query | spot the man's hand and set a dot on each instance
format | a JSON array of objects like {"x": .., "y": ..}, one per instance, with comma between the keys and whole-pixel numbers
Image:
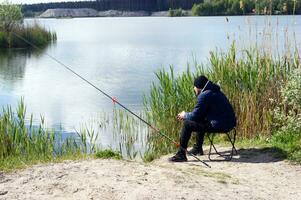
[{"x": 180, "y": 116}]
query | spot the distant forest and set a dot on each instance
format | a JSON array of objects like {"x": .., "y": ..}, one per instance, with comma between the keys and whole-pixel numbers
[
  {"x": 242, "y": 7},
  {"x": 126, "y": 5},
  {"x": 199, "y": 7}
]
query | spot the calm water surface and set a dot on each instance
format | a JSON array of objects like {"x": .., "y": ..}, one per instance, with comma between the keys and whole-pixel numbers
[{"x": 119, "y": 55}]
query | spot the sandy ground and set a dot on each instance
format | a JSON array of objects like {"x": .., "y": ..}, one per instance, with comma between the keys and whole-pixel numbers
[{"x": 254, "y": 174}]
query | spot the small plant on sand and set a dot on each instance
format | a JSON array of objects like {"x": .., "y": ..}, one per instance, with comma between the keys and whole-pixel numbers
[{"x": 105, "y": 154}]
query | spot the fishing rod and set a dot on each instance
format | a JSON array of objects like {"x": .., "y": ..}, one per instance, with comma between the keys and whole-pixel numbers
[{"x": 114, "y": 100}]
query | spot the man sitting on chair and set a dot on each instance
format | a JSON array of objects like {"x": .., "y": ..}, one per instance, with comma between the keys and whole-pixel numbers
[{"x": 212, "y": 113}]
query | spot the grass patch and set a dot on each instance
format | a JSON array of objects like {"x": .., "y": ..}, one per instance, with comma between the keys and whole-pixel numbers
[
  {"x": 149, "y": 156},
  {"x": 289, "y": 143},
  {"x": 20, "y": 162},
  {"x": 106, "y": 154},
  {"x": 258, "y": 141}
]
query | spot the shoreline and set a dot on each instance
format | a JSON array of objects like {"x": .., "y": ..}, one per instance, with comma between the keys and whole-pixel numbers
[
  {"x": 91, "y": 13},
  {"x": 254, "y": 174}
]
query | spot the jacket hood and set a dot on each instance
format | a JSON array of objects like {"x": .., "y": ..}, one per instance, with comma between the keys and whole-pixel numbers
[{"x": 211, "y": 86}]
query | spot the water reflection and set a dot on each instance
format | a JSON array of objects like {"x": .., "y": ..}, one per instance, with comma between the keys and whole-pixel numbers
[{"x": 13, "y": 64}]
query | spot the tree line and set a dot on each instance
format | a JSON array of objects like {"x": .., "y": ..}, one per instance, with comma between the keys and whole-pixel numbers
[
  {"x": 126, "y": 5},
  {"x": 241, "y": 7},
  {"x": 199, "y": 7}
]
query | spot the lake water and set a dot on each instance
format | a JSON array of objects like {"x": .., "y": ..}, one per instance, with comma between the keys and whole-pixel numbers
[{"x": 120, "y": 55}]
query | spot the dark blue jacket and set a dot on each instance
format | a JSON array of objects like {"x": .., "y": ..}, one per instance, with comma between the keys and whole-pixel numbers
[{"x": 214, "y": 107}]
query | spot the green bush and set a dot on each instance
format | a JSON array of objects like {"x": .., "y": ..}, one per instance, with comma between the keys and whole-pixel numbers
[
  {"x": 10, "y": 16},
  {"x": 12, "y": 29},
  {"x": 196, "y": 10},
  {"x": 176, "y": 12},
  {"x": 287, "y": 116}
]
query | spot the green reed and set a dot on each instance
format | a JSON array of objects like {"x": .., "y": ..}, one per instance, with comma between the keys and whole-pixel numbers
[
  {"x": 35, "y": 34},
  {"x": 251, "y": 80},
  {"x": 24, "y": 143},
  {"x": 130, "y": 133}
]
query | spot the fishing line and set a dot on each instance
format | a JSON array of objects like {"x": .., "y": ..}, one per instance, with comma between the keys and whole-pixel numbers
[{"x": 114, "y": 100}]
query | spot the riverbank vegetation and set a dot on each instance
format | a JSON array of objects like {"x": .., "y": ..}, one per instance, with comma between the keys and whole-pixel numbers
[
  {"x": 264, "y": 91},
  {"x": 177, "y": 12},
  {"x": 24, "y": 143},
  {"x": 15, "y": 34},
  {"x": 21, "y": 142},
  {"x": 246, "y": 7}
]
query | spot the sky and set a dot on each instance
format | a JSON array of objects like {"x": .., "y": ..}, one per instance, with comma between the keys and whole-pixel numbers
[{"x": 36, "y": 1}]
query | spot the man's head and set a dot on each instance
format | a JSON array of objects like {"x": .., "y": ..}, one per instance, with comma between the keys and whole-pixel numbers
[{"x": 199, "y": 84}]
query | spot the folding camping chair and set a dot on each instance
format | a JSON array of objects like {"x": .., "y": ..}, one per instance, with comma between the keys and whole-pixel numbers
[{"x": 231, "y": 137}]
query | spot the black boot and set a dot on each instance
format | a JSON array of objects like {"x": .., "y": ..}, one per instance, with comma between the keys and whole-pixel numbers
[
  {"x": 196, "y": 150},
  {"x": 179, "y": 157}
]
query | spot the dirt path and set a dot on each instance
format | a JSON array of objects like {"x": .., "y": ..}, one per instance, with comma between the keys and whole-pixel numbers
[{"x": 252, "y": 175}]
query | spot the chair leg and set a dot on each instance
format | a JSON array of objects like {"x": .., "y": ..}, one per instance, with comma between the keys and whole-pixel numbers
[
  {"x": 233, "y": 149},
  {"x": 232, "y": 141},
  {"x": 211, "y": 144}
]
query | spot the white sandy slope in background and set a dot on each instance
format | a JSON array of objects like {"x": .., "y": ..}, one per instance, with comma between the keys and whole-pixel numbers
[
  {"x": 88, "y": 12},
  {"x": 252, "y": 175}
]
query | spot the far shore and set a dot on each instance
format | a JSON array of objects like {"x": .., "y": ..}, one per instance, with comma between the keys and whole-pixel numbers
[{"x": 88, "y": 13}]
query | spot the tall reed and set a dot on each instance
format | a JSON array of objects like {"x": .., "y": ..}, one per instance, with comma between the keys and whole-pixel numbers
[
  {"x": 251, "y": 80},
  {"x": 22, "y": 141},
  {"x": 35, "y": 34},
  {"x": 129, "y": 133}
]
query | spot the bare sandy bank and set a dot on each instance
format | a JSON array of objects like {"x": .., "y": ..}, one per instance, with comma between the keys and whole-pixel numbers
[
  {"x": 88, "y": 12},
  {"x": 254, "y": 174}
]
